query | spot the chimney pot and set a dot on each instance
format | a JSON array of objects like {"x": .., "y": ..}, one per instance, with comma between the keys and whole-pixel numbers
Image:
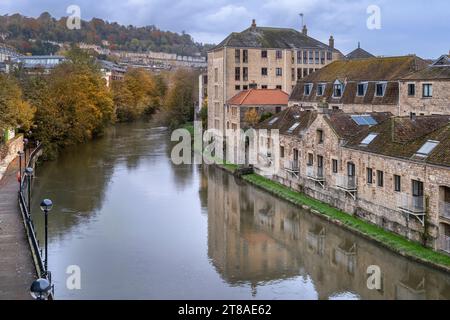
[
  {"x": 305, "y": 30},
  {"x": 331, "y": 42},
  {"x": 254, "y": 23}
]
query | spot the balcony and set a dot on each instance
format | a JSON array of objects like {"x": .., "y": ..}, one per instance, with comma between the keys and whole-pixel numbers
[
  {"x": 292, "y": 167},
  {"x": 347, "y": 184},
  {"x": 315, "y": 174},
  {"x": 413, "y": 206},
  {"x": 444, "y": 209},
  {"x": 444, "y": 243}
]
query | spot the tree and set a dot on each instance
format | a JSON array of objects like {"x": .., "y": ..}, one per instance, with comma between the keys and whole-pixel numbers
[
  {"x": 14, "y": 110},
  {"x": 251, "y": 117},
  {"x": 179, "y": 103}
]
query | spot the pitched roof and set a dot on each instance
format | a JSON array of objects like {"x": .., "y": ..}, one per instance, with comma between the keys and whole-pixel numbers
[
  {"x": 260, "y": 97},
  {"x": 359, "y": 54},
  {"x": 439, "y": 70},
  {"x": 402, "y": 137},
  {"x": 372, "y": 69},
  {"x": 272, "y": 38},
  {"x": 284, "y": 120}
]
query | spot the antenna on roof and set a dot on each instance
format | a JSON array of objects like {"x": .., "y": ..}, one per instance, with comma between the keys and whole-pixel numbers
[
  {"x": 302, "y": 17},
  {"x": 359, "y": 45}
]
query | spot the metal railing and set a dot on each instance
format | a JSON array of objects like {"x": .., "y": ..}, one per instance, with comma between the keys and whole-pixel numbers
[
  {"x": 315, "y": 173},
  {"x": 25, "y": 205},
  {"x": 346, "y": 182},
  {"x": 411, "y": 204},
  {"x": 445, "y": 243},
  {"x": 292, "y": 166},
  {"x": 444, "y": 209}
]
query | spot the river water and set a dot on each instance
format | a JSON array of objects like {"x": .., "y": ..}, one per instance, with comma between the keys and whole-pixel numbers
[{"x": 139, "y": 227}]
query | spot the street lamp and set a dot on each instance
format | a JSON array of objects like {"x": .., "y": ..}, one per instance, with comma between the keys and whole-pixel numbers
[
  {"x": 20, "y": 153},
  {"x": 29, "y": 173},
  {"x": 25, "y": 142},
  {"x": 40, "y": 289},
  {"x": 46, "y": 207}
]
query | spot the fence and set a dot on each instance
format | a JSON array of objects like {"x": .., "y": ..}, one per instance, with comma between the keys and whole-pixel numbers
[{"x": 25, "y": 208}]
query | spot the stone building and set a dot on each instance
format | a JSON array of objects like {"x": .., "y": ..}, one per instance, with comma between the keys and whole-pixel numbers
[
  {"x": 262, "y": 58},
  {"x": 391, "y": 171},
  {"x": 356, "y": 85},
  {"x": 265, "y": 102},
  {"x": 427, "y": 91}
]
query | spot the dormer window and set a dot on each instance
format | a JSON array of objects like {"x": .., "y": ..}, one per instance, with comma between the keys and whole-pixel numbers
[
  {"x": 338, "y": 89},
  {"x": 321, "y": 89},
  {"x": 380, "y": 89},
  {"x": 362, "y": 89},
  {"x": 308, "y": 89}
]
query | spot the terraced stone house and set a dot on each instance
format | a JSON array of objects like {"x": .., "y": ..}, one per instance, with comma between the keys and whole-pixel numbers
[{"x": 392, "y": 171}]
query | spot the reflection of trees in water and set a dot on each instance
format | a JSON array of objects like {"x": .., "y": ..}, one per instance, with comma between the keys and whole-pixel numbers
[
  {"x": 255, "y": 238},
  {"x": 78, "y": 179}
]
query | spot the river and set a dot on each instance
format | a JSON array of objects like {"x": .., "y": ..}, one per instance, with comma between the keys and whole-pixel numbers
[{"x": 139, "y": 227}]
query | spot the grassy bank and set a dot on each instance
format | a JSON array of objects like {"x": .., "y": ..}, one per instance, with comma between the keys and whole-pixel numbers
[{"x": 387, "y": 239}]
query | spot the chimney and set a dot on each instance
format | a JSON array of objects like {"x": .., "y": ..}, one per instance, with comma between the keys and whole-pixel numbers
[
  {"x": 305, "y": 30},
  {"x": 253, "y": 24},
  {"x": 331, "y": 42}
]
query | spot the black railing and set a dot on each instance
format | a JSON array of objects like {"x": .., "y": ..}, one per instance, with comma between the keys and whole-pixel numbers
[{"x": 25, "y": 187}]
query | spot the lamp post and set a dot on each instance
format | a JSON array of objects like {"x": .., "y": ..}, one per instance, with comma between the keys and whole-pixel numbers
[
  {"x": 40, "y": 289},
  {"x": 20, "y": 153},
  {"x": 25, "y": 142},
  {"x": 29, "y": 173},
  {"x": 46, "y": 207}
]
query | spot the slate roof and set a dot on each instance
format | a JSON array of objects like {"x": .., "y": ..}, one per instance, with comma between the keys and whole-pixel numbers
[
  {"x": 260, "y": 97},
  {"x": 359, "y": 53},
  {"x": 439, "y": 70},
  {"x": 287, "y": 118},
  {"x": 271, "y": 38},
  {"x": 402, "y": 137},
  {"x": 352, "y": 72}
]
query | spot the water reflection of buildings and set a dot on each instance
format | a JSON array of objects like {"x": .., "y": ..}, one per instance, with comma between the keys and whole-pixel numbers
[{"x": 254, "y": 238}]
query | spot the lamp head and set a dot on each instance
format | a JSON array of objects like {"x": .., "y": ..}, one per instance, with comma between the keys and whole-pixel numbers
[
  {"x": 46, "y": 205},
  {"x": 40, "y": 289}
]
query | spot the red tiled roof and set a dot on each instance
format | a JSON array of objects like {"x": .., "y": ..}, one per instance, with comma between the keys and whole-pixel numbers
[{"x": 260, "y": 97}]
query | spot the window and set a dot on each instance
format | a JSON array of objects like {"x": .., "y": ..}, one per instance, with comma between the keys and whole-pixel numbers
[
  {"x": 322, "y": 57},
  {"x": 427, "y": 148},
  {"x": 293, "y": 74},
  {"x": 293, "y": 127},
  {"x": 216, "y": 92},
  {"x": 320, "y": 136},
  {"x": 237, "y": 87},
  {"x": 362, "y": 89},
  {"x": 329, "y": 55},
  {"x": 264, "y": 54},
  {"x": 277, "y": 109},
  {"x": 253, "y": 86},
  {"x": 245, "y": 73},
  {"x": 305, "y": 57},
  {"x": 427, "y": 90},
  {"x": 397, "y": 183},
  {"x": 282, "y": 152},
  {"x": 337, "y": 90},
  {"x": 320, "y": 89},
  {"x": 380, "y": 178},
  {"x": 317, "y": 56},
  {"x": 244, "y": 87},
  {"x": 264, "y": 86},
  {"x": 279, "y": 72},
  {"x": 311, "y": 57},
  {"x": 305, "y": 73},
  {"x": 307, "y": 89},
  {"x": 335, "y": 166},
  {"x": 310, "y": 159},
  {"x": 299, "y": 73},
  {"x": 245, "y": 56},
  {"x": 279, "y": 54},
  {"x": 369, "y": 175},
  {"x": 279, "y": 87},
  {"x": 264, "y": 71},
  {"x": 273, "y": 121},
  {"x": 216, "y": 75},
  {"x": 411, "y": 89},
  {"x": 368, "y": 140},
  {"x": 364, "y": 120},
  {"x": 299, "y": 57},
  {"x": 237, "y": 56},
  {"x": 380, "y": 89},
  {"x": 237, "y": 74}
]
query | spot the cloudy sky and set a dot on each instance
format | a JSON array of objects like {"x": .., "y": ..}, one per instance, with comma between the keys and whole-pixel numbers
[{"x": 407, "y": 26}]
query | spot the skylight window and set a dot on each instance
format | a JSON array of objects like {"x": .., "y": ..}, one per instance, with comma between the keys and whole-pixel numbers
[
  {"x": 427, "y": 148},
  {"x": 364, "y": 120},
  {"x": 273, "y": 121},
  {"x": 368, "y": 140},
  {"x": 295, "y": 126}
]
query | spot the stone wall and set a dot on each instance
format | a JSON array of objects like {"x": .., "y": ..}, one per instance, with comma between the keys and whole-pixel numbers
[
  {"x": 438, "y": 104},
  {"x": 8, "y": 152}
]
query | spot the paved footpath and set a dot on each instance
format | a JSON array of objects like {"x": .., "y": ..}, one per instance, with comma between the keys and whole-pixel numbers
[{"x": 17, "y": 270}]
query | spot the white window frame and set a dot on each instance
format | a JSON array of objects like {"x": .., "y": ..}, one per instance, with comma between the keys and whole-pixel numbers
[
  {"x": 384, "y": 84},
  {"x": 310, "y": 87},
  {"x": 323, "y": 86},
  {"x": 366, "y": 85},
  {"x": 430, "y": 92},
  {"x": 335, "y": 84}
]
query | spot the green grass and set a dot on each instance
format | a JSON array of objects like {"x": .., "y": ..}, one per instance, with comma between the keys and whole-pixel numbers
[{"x": 393, "y": 241}]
